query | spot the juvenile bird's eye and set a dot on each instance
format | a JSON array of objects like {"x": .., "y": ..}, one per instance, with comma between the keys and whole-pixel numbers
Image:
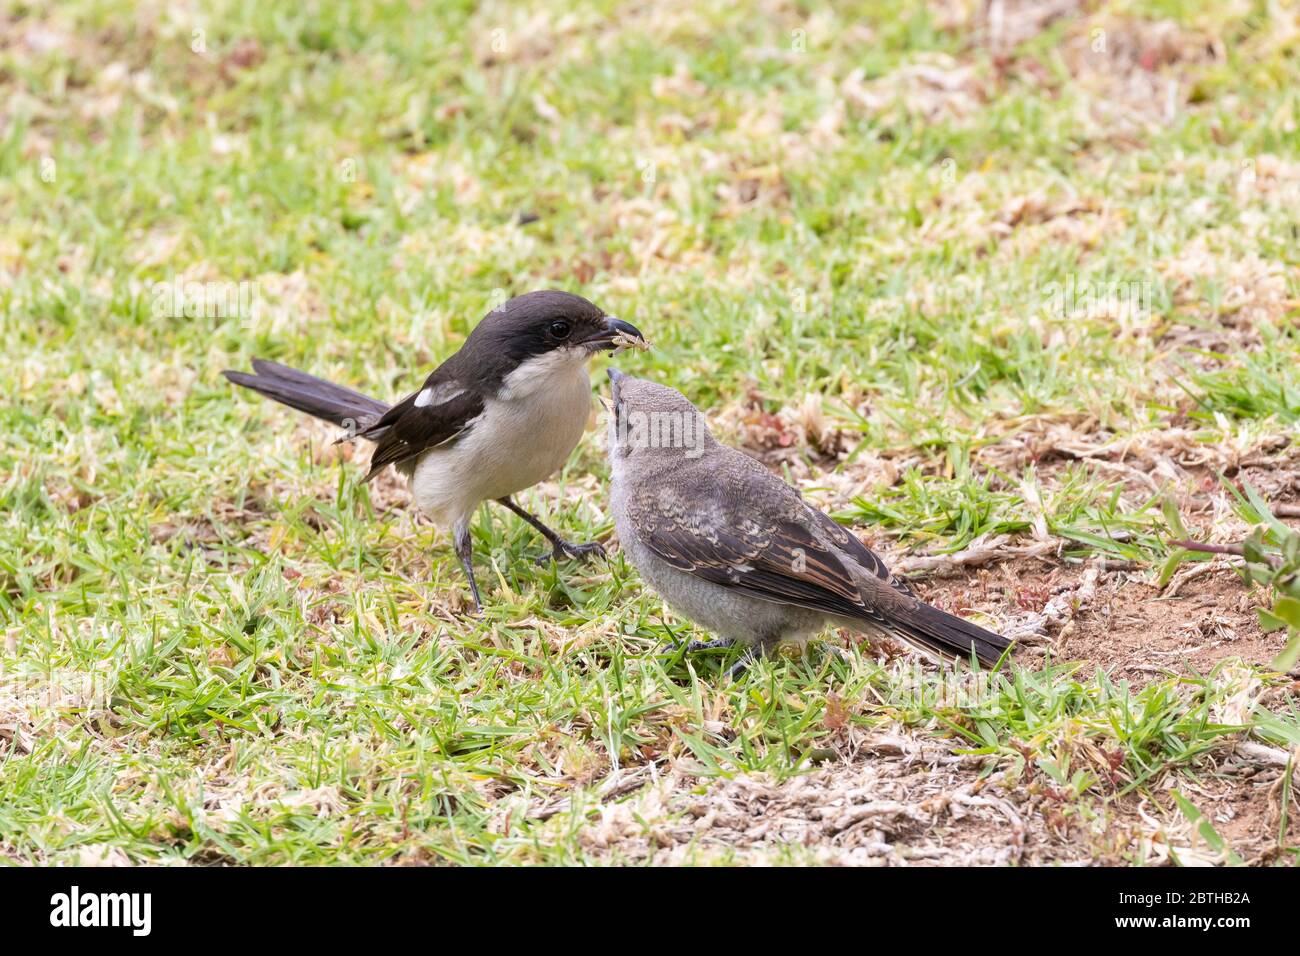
[{"x": 559, "y": 329}]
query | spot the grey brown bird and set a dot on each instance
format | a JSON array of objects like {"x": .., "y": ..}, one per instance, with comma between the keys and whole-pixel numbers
[
  {"x": 734, "y": 548},
  {"x": 498, "y": 416}
]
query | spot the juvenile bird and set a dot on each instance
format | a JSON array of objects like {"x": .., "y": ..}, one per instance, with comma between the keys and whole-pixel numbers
[
  {"x": 498, "y": 416},
  {"x": 736, "y": 549}
]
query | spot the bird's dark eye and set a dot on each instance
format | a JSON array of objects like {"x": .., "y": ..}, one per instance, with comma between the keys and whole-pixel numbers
[{"x": 559, "y": 329}]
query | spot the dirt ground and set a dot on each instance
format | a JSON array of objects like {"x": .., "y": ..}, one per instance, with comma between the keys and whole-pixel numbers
[
  {"x": 901, "y": 798},
  {"x": 896, "y": 800},
  {"x": 1128, "y": 627}
]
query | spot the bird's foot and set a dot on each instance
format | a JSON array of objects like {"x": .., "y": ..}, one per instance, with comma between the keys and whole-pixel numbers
[
  {"x": 735, "y": 670},
  {"x": 471, "y": 610},
  {"x": 562, "y": 550},
  {"x": 742, "y": 665},
  {"x": 690, "y": 647},
  {"x": 694, "y": 646}
]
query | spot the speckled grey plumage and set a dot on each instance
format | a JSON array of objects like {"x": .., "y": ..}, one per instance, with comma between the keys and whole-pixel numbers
[{"x": 734, "y": 548}]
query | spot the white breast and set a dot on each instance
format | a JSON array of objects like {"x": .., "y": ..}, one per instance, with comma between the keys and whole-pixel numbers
[{"x": 523, "y": 436}]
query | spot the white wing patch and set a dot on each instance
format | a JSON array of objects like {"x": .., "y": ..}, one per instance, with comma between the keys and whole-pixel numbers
[{"x": 438, "y": 394}]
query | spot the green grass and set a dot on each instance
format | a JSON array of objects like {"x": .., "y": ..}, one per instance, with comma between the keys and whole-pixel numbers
[{"x": 279, "y": 672}]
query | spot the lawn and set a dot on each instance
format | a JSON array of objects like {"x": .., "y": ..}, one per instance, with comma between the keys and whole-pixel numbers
[{"x": 1009, "y": 288}]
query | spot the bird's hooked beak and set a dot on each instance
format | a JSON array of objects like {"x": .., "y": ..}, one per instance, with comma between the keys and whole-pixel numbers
[{"x": 610, "y": 333}]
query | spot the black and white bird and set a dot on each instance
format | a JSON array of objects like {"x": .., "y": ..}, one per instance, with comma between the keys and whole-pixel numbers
[
  {"x": 499, "y": 416},
  {"x": 734, "y": 548}
]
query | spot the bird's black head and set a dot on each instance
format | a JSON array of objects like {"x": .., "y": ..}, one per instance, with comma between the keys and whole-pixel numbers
[
  {"x": 535, "y": 336},
  {"x": 537, "y": 323}
]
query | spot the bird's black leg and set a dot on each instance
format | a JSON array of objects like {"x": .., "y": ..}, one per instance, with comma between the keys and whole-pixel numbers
[
  {"x": 465, "y": 551},
  {"x": 560, "y": 549}
]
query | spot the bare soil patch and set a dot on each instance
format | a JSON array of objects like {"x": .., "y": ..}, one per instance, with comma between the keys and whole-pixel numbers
[{"x": 1129, "y": 627}]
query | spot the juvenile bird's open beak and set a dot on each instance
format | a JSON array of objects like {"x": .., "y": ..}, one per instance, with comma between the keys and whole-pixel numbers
[
  {"x": 615, "y": 405},
  {"x": 615, "y": 376},
  {"x": 613, "y": 329}
]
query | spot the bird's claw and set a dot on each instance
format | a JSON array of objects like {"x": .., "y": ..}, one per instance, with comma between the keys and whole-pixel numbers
[
  {"x": 734, "y": 671},
  {"x": 694, "y": 646},
  {"x": 565, "y": 550},
  {"x": 738, "y": 668}
]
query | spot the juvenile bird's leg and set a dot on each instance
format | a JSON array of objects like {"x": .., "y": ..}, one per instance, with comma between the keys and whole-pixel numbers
[
  {"x": 560, "y": 549},
  {"x": 694, "y": 646},
  {"x": 742, "y": 665},
  {"x": 758, "y": 649},
  {"x": 465, "y": 551}
]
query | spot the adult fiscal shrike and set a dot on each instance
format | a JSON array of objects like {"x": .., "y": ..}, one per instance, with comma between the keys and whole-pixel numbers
[
  {"x": 733, "y": 547},
  {"x": 497, "y": 417}
]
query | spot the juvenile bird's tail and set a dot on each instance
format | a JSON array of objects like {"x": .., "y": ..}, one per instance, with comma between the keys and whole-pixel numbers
[
  {"x": 940, "y": 634},
  {"x": 307, "y": 393}
]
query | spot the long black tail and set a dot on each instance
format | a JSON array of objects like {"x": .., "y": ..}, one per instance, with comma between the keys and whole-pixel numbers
[
  {"x": 945, "y": 635},
  {"x": 307, "y": 393}
]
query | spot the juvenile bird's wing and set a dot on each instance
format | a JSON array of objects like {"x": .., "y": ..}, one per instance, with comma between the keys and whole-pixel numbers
[
  {"x": 848, "y": 542},
  {"x": 729, "y": 521},
  {"x": 437, "y": 414}
]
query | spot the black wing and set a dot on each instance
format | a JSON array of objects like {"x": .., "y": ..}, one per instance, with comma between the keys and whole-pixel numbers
[{"x": 408, "y": 429}]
